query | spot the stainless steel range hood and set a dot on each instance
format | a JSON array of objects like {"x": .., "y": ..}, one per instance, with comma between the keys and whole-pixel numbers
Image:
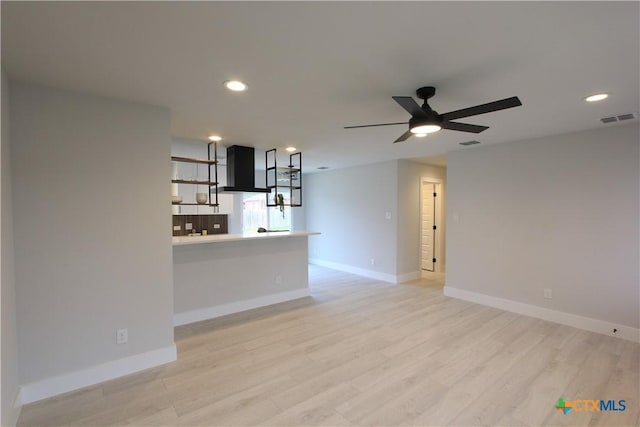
[{"x": 241, "y": 174}]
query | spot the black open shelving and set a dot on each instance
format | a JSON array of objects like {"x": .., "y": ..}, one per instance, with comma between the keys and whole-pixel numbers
[
  {"x": 212, "y": 184},
  {"x": 287, "y": 177}
]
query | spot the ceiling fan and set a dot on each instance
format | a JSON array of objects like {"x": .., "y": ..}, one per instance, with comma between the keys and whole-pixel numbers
[{"x": 426, "y": 120}]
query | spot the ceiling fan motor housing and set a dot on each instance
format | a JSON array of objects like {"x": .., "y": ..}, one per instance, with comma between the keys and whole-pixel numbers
[
  {"x": 435, "y": 119},
  {"x": 426, "y": 92}
]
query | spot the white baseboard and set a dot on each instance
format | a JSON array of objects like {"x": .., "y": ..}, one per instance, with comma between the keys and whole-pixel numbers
[
  {"x": 581, "y": 322},
  {"x": 236, "y": 307},
  {"x": 107, "y": 371},
  {"x": 391, "y": 278},
  {"x": 401, "y": 278}
]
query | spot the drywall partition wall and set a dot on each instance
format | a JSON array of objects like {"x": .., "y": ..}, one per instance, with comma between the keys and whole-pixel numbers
[
  {"x": 8, "y": 345},
  {"x": 355, "y": 210},
  {"x": 559, "y": 213},
  {"x": 93, "y": 215},
  {"x": 220, "y": 278},
  {"x": 410, "y": 174}
]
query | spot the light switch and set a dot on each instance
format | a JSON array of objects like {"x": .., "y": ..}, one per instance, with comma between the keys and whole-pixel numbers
[
  {"x": 387, "y": 215},
  {"x": 216, "y": 225},
  {"x": 177, "y": 228}
]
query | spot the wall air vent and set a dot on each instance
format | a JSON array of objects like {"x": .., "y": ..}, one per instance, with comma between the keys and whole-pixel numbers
[
  {"x": 470, "y": 143},
  {"x": 619, "y": 118}
]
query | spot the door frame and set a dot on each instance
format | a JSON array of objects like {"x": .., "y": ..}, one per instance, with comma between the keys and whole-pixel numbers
[{"x": 439, "y": 241}]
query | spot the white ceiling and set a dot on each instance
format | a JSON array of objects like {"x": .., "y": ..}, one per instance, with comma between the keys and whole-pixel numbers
[{"x": 314, "y": 67}]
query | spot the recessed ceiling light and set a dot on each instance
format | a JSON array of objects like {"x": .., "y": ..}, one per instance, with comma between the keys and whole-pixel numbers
[
  {"x": 291, "y": 149},
  {"x": 421, "y": 135},
  {"x": 235, "y": 85},
  {"x": 597, "y": 97},
  {"x": 215, "y": 138},
  {"x": 425, "y": 129}
]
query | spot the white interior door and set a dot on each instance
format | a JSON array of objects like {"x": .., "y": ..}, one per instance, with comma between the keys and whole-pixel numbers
[{"x": 427, "y": 238}]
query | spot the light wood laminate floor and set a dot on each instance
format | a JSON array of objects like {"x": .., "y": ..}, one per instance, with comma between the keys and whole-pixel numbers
[{"x": 361, "y": 352}]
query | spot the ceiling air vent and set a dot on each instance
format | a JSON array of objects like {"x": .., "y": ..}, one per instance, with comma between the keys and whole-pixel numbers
[
  {"x": 619, "y": 118},
  {"x": 626, "y": 117},
  {"x": 470, "y": 143}
]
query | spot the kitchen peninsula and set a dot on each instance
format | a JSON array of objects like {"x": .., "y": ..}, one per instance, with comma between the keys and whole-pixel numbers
[{"x": 221, "y": 274}]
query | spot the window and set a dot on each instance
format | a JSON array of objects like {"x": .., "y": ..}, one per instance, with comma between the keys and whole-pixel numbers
[{"x": 256, "y": 214}]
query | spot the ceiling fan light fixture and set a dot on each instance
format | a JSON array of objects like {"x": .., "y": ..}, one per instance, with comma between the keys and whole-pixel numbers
[
  {"x": 425, "y": 120},
  {"x": 425, "y": 129},
  {"x": 597, "y": 97},
  {"x": 235, "y": 85}
]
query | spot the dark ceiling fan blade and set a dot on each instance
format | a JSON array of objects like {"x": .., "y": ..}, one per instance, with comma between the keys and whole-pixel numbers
[
  {"x": 409, "y": 104},
  {"x": 404, "y": 136},
  {"x": 379, "y": 124},
  {"x": 464, "y": 127},
  {"x": 482, "y": 109}
]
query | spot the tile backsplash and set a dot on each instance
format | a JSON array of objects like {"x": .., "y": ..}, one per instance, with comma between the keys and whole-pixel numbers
[{"x": 214, "y": 224}]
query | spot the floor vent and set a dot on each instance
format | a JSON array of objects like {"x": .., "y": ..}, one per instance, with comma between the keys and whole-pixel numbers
[
  {"x": 619, "y": 118},
  {"x": 470, "y": 143}
]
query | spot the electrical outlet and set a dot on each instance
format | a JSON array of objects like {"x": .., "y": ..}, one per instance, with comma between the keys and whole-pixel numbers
[
  {"x": 188, "y": 226},
  {"x": 122, "y": 336},
  {"x": 387, "y": 215},
  {"x": 278, "y": 279},
  {"x": 177, "y": 228},
  {"x": 216, "y": 225},
  {"x": 372, "y": 261},
  {"x": 548, "y": 294}
]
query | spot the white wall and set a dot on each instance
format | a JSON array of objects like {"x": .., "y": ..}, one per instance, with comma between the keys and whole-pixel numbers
[
  {"x": 299, "y": 214},
  {"x": 92, "y": 223},
  {"x": 9, "y": 366},
  {"x": 409, "y": 178},
  {"x": 558, "y": 212},
  {"x": 348, "y": 207}
]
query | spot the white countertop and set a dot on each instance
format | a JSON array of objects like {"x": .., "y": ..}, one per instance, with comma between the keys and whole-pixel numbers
[{"x": 218, "y": 238}]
